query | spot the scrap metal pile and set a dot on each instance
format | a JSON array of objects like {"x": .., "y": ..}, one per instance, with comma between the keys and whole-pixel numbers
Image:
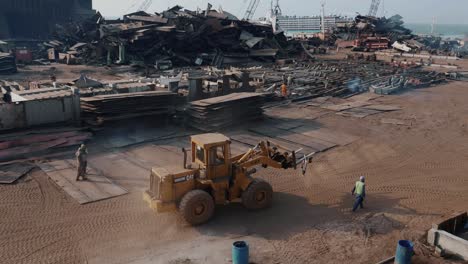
[
  {"x": 338, "y": 77},
  {"x": 397, "y": 83},
  {"x": 7, "y": 63},
  {"x": 327, "y": 78},
  {"x": 224, "y": 111},
  {"x": 436, "y": 45},
  {"x": 99, "y": 109},
  {"x": 390, "y": 32},
  {"x": 182, "y": 37},
  {"x": 369, "y": 26}
]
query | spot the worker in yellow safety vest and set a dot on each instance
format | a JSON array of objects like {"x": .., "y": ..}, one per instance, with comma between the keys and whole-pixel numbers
[{"x": 359, "y": 191}]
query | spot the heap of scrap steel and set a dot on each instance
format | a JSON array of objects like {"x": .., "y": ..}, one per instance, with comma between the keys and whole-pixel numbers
[
  {"x": 368, "y": 33},
  {"x": 327, "y": 78},
  {"x": 404, "y": 81},
  {"x": 220, "y": 112},
  {"x": 7, "y": 63},
  {"x": 338, "y": 77},
  {"x": 181, "y": 37},
  {"x": 102, "y": 108},
  {"x": 436, "y": 45},
  {"x": 369, "y": 26}
]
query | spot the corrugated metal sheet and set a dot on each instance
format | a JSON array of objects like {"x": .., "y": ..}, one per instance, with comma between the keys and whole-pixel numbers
[
  {"x": 12, "y": 116},
  {"x": 48, "y": 111}
]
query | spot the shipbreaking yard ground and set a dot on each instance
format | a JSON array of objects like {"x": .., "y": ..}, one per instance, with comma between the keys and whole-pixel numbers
[{"x": 414, "y": 160}]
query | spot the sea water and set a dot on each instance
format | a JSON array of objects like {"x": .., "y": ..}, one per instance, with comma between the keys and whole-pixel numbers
[{"x": 452, "y": 31}]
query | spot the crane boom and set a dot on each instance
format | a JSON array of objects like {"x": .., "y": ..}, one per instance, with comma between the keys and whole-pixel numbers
[
  {"x": 145, "y": 5},
  {"x": 253, "y": 4},
  {"x": 277, "y": 9},
  {"x": 374, "y": 8}
]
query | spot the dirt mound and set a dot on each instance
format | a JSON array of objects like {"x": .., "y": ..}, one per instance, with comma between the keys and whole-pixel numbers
[{"x": 380, "y": 224}]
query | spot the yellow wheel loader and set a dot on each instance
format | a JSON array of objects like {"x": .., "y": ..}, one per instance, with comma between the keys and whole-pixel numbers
[{"x": 217, "y": 178}]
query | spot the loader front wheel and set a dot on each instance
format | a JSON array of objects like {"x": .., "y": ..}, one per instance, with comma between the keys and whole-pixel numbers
[
  {"x": 197, "y": 207},
  {"x": 258, "y": 195}
]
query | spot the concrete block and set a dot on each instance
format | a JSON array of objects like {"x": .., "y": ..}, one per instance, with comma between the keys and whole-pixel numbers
[
  {"x": 431, "y": 236},
  {"x": 448, "y": 243}
]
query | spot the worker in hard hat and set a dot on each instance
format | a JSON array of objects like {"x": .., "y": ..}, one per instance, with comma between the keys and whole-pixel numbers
[
  {"x": 82, "y": 160},
  {"x": 284, "y": 90},
  {"x": 359, "y": 191}
]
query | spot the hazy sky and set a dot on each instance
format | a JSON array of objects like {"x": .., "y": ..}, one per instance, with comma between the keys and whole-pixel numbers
[{"x": 413, "y": 11}]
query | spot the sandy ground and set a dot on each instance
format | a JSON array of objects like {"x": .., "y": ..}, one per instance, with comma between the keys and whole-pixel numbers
[{"x": 416, "y": 175}]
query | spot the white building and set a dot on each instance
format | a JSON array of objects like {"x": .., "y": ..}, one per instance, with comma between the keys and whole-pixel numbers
[{"x": 291, "y": 24}]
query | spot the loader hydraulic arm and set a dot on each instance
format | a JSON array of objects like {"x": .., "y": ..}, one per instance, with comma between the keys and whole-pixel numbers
[
  {"x": 262, "y": 160},
  {"x": 266, "y": 154}
]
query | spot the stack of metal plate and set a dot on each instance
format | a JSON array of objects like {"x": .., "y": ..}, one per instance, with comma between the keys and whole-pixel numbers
[
  {"x": 7, "y": 63},
  {"x": 224, "y": 111},
  {"x": 102, "y": 108}
]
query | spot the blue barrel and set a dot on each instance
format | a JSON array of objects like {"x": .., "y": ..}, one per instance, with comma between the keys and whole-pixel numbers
[
  {"x": 404, "y": 252},
  {"x": 240, "y": 252}
]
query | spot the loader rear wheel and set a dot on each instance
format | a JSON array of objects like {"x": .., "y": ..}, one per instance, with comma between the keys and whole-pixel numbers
[
  {"x": 197, "y": 207},
  {"x": 258, "y": 195}
]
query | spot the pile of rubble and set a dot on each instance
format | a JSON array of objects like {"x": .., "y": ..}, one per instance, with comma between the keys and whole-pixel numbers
[
  {"x": 369, "y": 26},
  {"x": 326, "y": 78},
  {"x": 368, "y": 33},
  {"x": 7, "y": 63},
  {"x": 339, "y": 78},
  {"x": 405, "y": 81},
  {"x": 436, "y": 45},
  {"x": 174, "y": 37}
]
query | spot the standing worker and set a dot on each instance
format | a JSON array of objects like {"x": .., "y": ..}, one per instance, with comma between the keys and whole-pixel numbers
[
  {"x": 82, "y": 159},
  {"x": 284, "y": 90},
  {"x": 359, "y": 191},
  {"x": 284, "y": 78},
  {"x": 290, "y": 80}
]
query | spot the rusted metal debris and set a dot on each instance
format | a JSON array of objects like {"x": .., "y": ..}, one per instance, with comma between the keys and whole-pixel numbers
[
  {"x": 364, "y": 32},
  {"x": 369, "y": 26},
  {"x": 339, "y": 78},
  {"x": 182, "y": 37},
  {"x": 7, "y": 63}
]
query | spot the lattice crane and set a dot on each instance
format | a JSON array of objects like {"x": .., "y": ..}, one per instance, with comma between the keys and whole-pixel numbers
[
  {"x": 374, "y": 8},
  {"x": 276, "y": 10},
  {"x": 249, "y": 13}
]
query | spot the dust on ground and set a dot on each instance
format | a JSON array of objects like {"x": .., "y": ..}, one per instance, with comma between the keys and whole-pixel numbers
[{"x": 415, "y": 174}]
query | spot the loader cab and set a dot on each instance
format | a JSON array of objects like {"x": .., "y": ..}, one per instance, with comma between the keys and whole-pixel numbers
[{"x": 212, "y": 153}]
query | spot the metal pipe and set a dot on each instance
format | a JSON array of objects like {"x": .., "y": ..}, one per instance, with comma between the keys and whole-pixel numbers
[{"x": 305, "y": 157}]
